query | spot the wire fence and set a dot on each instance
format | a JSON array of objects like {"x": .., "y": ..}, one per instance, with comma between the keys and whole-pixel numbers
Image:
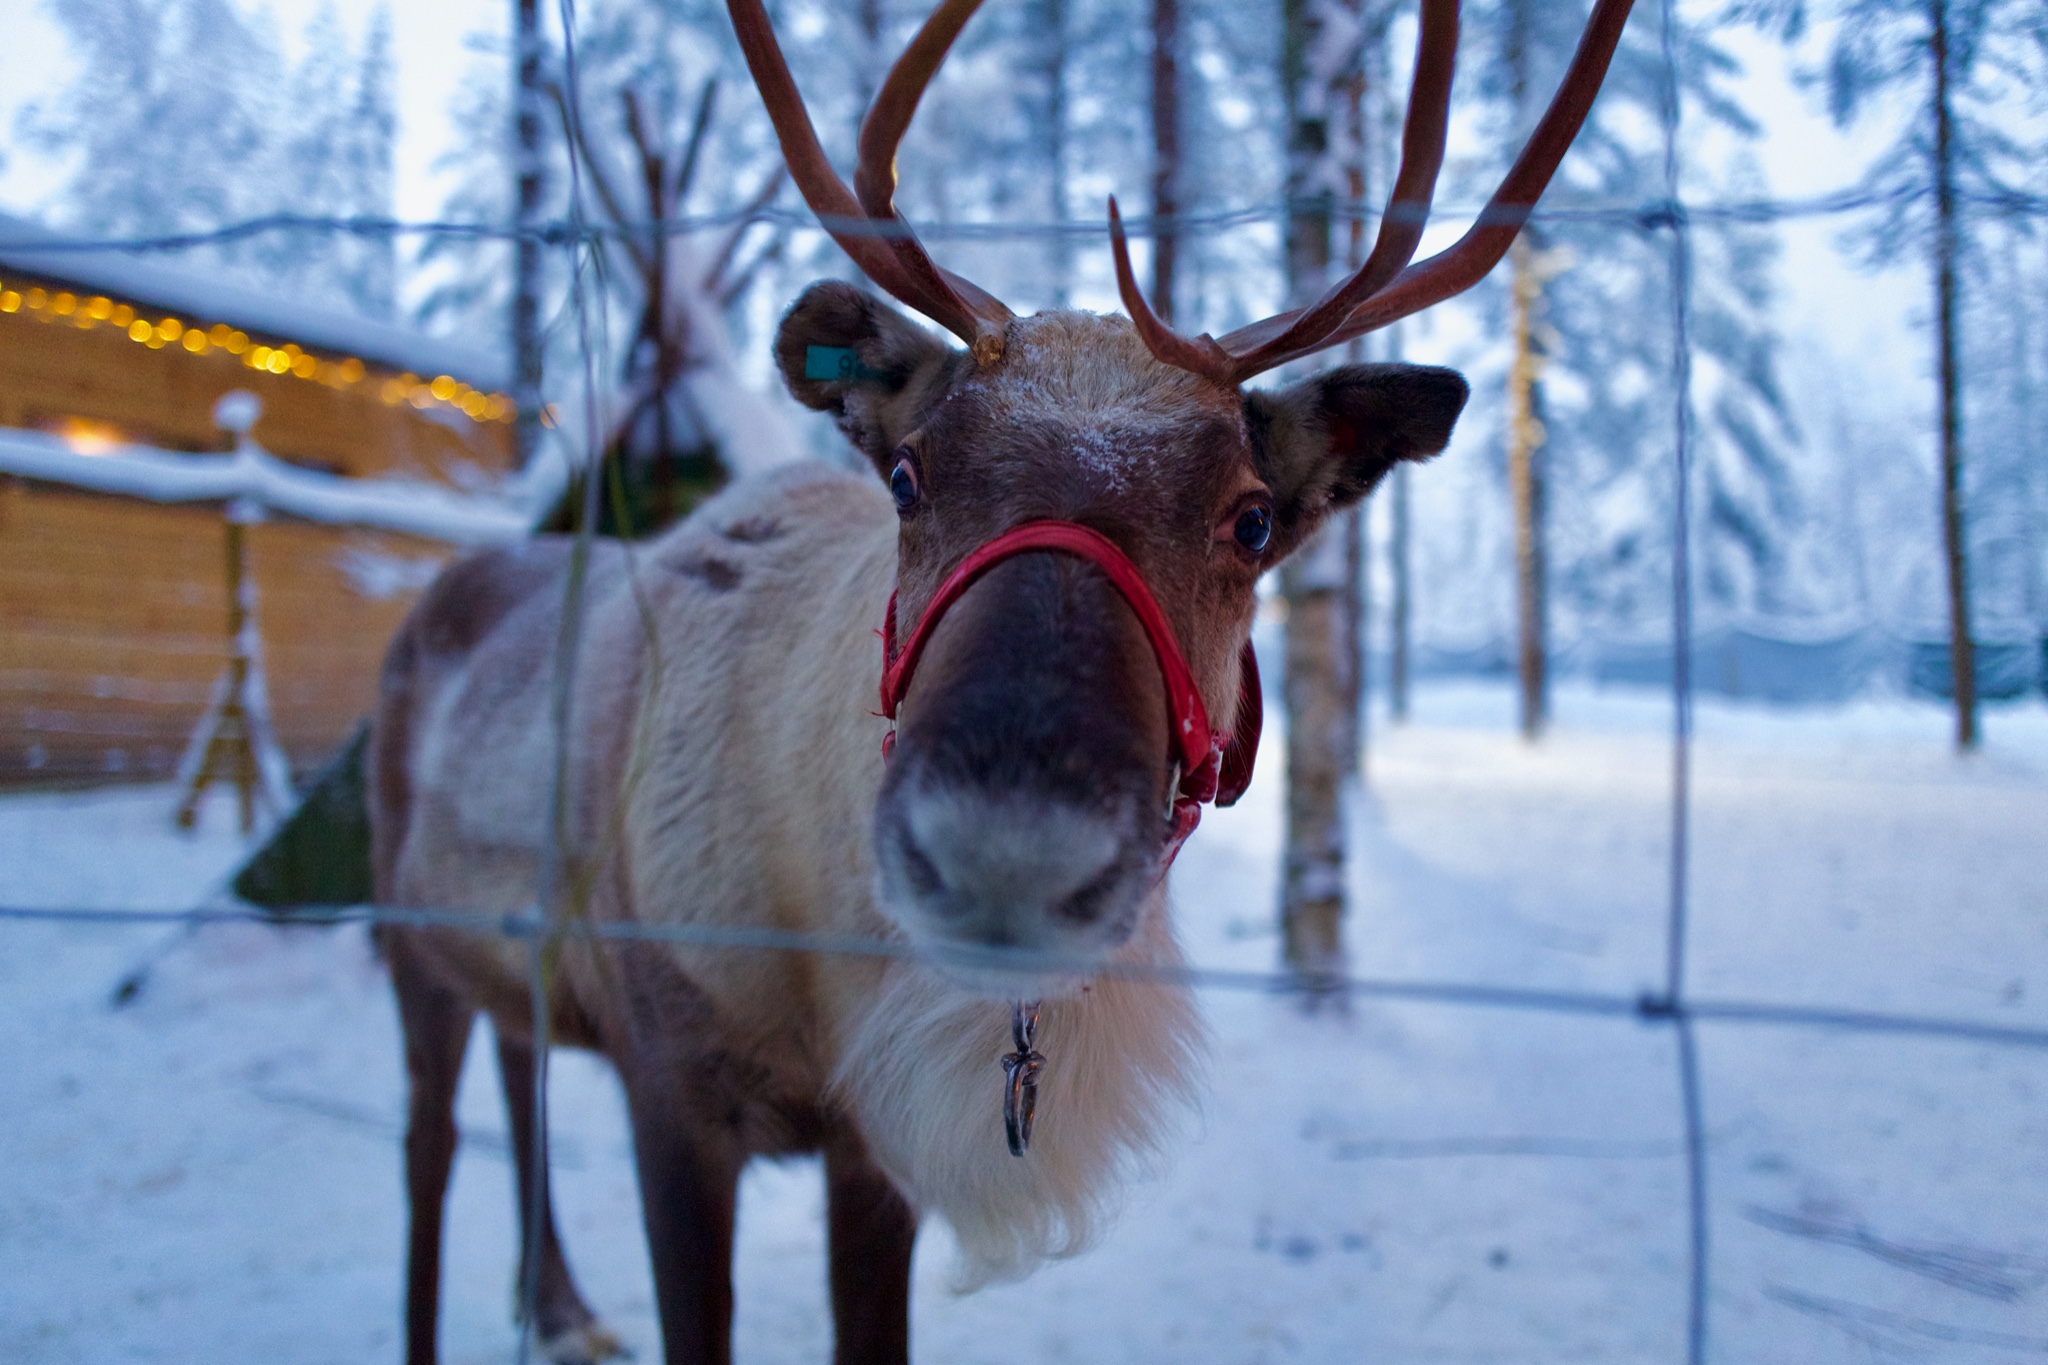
[
  {"x": 1652, "y": 1007},
  {"x": 545, "y": 926},
  {"x": 575, "y": 228}
]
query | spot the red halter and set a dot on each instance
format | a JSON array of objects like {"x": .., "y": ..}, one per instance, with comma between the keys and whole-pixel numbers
[{"x": 1214, "y": 765}]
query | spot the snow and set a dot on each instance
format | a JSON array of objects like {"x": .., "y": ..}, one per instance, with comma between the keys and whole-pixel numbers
[
  {"x": 212, "y": 1172},
  {"x": 255, "y": 475}
]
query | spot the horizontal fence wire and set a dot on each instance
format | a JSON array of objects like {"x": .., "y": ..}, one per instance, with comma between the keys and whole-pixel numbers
[
  {"x": 545, "y": 926},
  {"x": 565, "y": 231},
  {"x": 1646, "y": 1006}
]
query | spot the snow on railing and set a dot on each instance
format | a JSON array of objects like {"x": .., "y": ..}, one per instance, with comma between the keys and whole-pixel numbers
[{"x": 252, "y": 474}]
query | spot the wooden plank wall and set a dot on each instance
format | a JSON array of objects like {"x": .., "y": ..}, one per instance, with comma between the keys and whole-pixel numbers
[
  {"x": 55, "y": 367},
  {"x": 113, "y": 627}
]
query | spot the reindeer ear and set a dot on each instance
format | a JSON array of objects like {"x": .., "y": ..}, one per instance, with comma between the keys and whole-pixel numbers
[
  {"x": 1323, "y": 443},
  {"x": 843, "y": 351}
]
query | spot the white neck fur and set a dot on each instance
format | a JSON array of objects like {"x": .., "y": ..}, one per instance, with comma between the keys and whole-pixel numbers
[{"x": 923, "y": 1073}]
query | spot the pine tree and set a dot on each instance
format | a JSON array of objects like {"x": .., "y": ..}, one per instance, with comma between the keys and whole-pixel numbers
[
  {"x": 155, "y": 150},
  {"x": 1950, "y": 59},
  {"x": 1595, "y": 487},
  {"x": 187, "y": 118}
]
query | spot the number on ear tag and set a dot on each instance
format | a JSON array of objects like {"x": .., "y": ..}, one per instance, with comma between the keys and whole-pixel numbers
[{"x": 836, "y": 364}]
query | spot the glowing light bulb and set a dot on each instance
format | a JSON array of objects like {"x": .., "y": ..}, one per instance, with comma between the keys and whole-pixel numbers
[
  {"x": 10, "y": 302},
  {"x": 99, "y": 309},
  {"x": 442, "y": 388},
  {"x": 195, "y": 341},
  {"x": 64, "y": 305},
  {"x": 139, "y": 330},
  {"x": 121, "y": 316}
]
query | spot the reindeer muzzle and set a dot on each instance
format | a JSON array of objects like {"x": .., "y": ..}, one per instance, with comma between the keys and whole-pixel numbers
[{"x": 1214, "y": 765}]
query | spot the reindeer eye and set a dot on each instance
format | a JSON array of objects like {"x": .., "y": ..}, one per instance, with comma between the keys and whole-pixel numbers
[
  {"x": 903, "y": 486},
  {"x": 1254, "y": 529}
]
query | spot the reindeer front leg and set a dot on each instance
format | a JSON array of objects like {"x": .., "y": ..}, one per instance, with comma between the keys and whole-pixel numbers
[
  {"x": 435, "y": 1022},
  {"x": 568, "y": 1332},
  {"x": 689, "y": 1186},
  {"x": 872, "y": 1232}
]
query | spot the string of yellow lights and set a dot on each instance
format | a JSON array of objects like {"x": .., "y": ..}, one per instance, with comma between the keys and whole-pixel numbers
[{"x": 62, "y": 306}]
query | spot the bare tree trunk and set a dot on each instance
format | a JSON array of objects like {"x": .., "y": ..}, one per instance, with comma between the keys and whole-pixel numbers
[
  {"x": 1524, "y": 421},
  {"x": 1400, "y": 609},
  {"x": 526, "y": 172},
  {"x": 2024, "y": 400},
  {"x": 1309, "y": 203},
  {"x": 1384, "y": 136},
  {"x": 1354, "y": 150},
  {"x": 1318, "y": 726},
  {"x": 1525, "y": 486},
  {"x": 1165, "y": 151},
  {"x": 1053, "y": 71},
  {"x": 1318, "y": 761},
  {"x": 1954, "y": 531},
  {"x": 1357, "y": 621},
  {"x": 867, "y": 66}
]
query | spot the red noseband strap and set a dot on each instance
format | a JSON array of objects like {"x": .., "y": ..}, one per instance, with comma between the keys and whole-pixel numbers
[{"x": 1214, "y": 765}]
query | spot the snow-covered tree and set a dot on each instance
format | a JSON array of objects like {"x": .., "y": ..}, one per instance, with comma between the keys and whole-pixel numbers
[
  {"x": 1603, "y": 394},
  {"x": 166, "y": 118},
  {"x": 1962, "y": 67},
  {"x": 187, "y": 117},
  {"x": 335, "y": 160},
  {"x": 1329, "y": 50}
]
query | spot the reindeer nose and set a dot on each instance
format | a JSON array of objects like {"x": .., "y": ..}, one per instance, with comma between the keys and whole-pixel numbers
[{"x": 1006, "y": 870}]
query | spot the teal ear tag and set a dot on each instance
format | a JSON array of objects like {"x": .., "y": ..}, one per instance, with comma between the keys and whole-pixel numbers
[{"x": 836, "y": 364}]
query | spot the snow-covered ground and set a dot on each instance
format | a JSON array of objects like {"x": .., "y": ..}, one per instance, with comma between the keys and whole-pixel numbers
[{"x": 211, "y": 1173}]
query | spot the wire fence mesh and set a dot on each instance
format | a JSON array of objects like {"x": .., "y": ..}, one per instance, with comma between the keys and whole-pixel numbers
[{"x": 547, "y": 925}]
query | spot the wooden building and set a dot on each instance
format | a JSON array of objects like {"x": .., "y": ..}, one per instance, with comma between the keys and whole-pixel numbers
[{"x": 115, "y": 477}]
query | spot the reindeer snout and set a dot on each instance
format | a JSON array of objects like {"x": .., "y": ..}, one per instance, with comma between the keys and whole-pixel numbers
[{"x": 968, "y": 869}]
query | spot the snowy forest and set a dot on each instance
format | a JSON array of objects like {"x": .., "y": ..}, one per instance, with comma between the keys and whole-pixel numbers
[
  {"x": 1817, "y": 515},
  {"x": 1630, "y": 947}
]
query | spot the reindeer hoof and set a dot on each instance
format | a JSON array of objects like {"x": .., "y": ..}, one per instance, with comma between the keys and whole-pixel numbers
[{"x": 590, "y": 1344}]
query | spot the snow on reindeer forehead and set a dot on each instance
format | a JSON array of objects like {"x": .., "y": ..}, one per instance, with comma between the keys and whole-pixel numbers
[{"x": 1084, "y": 385}]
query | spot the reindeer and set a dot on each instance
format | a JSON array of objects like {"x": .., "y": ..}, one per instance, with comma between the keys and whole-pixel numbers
[{"x": 1070, "y": 518}]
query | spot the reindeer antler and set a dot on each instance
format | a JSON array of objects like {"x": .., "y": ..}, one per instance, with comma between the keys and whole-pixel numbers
[
  {"x": 866, "y": 226},
  {"x": 1387, "y": 288}
]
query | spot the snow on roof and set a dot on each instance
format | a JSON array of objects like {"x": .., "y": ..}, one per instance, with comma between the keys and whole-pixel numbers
[
  {"x": 139, "y": 278},
  {"x": 253, "y": 475}
]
